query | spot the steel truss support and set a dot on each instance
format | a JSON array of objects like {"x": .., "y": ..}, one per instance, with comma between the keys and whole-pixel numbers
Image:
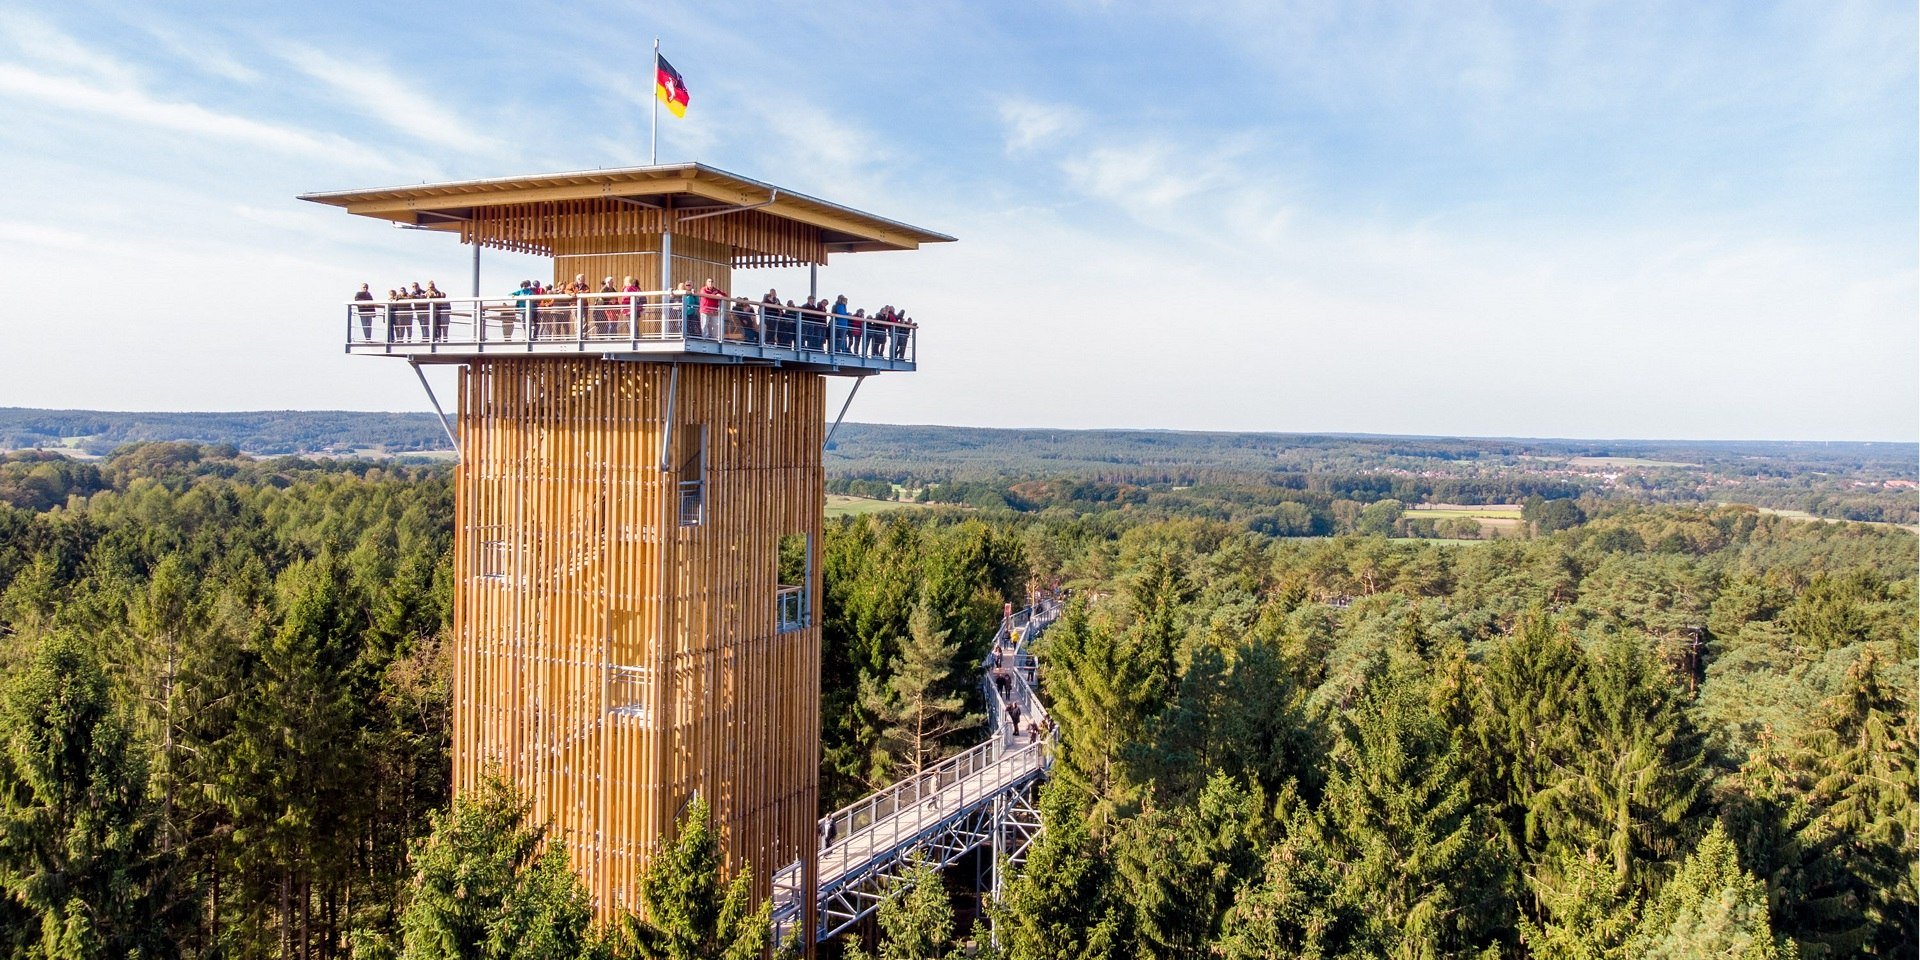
[{"x": 1003, "y": 818}]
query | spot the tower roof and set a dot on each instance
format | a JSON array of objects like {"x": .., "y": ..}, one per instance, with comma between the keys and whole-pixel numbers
[{"x": 688, "y": 190}]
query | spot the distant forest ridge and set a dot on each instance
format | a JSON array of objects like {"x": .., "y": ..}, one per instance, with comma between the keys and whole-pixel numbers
[{"x": 970, "y": 450}]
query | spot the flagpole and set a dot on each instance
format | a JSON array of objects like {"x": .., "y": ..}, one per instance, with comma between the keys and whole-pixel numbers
[{"x": 653, "y": 144}]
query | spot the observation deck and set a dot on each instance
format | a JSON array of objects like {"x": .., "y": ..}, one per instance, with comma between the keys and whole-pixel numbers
[
  {"x": 648, "y": 325},
  {"x": 672, "y": 227}
]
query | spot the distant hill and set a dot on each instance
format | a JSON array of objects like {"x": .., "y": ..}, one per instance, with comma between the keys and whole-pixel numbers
[
  {"x": 971, "y": 450},
  {"x": 976, "y": 451},
  {"x": 260, "y": 432}
]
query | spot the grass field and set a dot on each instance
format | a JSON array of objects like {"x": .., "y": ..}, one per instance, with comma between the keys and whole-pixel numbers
[
  {"x": 1625, "y": 462},
  {"x": 1803, "y": 515},
  {"x": 843, "y": 506},
  {"x": 1495, "y": 519},
  {"x": 1442, "y": 511}
]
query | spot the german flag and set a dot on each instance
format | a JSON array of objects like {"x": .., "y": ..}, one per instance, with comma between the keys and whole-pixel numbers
[{"x": 668, "y": 86}]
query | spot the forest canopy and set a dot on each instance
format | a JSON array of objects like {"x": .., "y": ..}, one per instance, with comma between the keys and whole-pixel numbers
[{"x": 1625, "y": 728}]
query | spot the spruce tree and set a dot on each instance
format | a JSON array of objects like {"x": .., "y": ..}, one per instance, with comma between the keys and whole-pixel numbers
[
  {"x": 1063, "y": 905},
  {"x": 1859, "y": 772},
  {"x": 1294, "y": 909},
  {"x": 1710, "y": 908},
  {"x": 1181, "y": 866},
  {"x": 1100, "y": 697},
  {"x": 916, "y": 922},
  {"x": 1420, "y": 865},
  {"x": 1526, "y": 730},
  {"x": 690, "y": 911},
  {"x": 485, "y": 890},
  {"x": 79, "y": 863},
  {"x": 1633, "y": 785}
]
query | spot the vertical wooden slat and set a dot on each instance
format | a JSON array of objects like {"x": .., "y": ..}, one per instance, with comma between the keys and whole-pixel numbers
[{"x": 569, "y": 563}]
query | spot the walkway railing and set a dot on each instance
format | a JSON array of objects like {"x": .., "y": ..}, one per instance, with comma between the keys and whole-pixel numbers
[
  {"x": 642, "y": 322},
  {"x": 978, "y": 798}
]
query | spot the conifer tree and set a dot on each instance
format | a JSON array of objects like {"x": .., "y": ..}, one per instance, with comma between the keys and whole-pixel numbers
[
  {"x": 1420, "y": 865},
  {"x": 1180, "y": 866},
  {"x": 295, "y": 777},
  {"x": 1100, "y": 695},
  {"x": 1157, "y": 596},
  {"x": 1710, "y": 908},
  {"x": 691, "y": 911},
  {"x": 1062, "y": 905},
  {"x": 916, "y": 923},
  {"x": 1588, "y": 914},
  {"x": 1522, "y": 732},
  {"x": 1294, "y": 909},
  {"x": 919, "y": 715},
  {"x": 1633, "y": 784},
  {"x": 78, "y": 859},
  {"x": 485, "y": 890},
  {"x": 1857, "y": 767}
]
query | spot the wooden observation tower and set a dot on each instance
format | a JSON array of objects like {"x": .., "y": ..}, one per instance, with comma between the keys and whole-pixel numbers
[{"x": 639, "y": 501}]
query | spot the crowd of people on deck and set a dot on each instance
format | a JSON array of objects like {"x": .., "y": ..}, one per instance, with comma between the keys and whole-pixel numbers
[
  {"x": 412, "y": 312},
  {"x": 416, "y": 314}
]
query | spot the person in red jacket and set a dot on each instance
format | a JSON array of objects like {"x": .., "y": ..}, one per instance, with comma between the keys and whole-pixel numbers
[{"x": 712, "y": 317}]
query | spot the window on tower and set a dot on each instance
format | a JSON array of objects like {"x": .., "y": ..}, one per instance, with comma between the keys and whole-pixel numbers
[
  {"x": 690, "y": 473},
  {"x": 791, "y": 609}
]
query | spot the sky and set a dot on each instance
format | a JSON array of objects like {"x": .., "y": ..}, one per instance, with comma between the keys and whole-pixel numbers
[{"x": 1558, "y": 219}]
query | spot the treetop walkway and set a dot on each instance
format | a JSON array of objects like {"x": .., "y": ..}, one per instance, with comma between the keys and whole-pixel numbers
[{"x": 982, "y": 798}]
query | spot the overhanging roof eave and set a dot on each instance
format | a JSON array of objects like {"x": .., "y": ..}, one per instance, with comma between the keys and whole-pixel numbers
[{"x": 407, "y": 202}]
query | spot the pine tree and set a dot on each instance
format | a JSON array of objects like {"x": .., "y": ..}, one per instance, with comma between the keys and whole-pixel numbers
[
  {"x": 485, "y": 890},
  {"x": 690, "y": 911},
  {"x": 919, "y": 714},
  {"x": 1711, "y": 908},
  {"x": 78, "y": 854}
]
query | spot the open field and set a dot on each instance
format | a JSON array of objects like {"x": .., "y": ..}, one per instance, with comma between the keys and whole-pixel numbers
[
  {"x": 1803, "y": 515},
  {"x": 843, "y": 506},
  {"x": 1490, "y": 511},
  {"x": 1625, "y": 462},
  {"x": 1495, "y": 519}
]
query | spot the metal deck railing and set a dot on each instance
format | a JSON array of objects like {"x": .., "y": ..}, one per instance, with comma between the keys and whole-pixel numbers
[
  {"x": 983, "y": 797},
  {"x": 640, "y": 324}
]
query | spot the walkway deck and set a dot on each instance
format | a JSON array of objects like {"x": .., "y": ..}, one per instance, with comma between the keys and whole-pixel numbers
[
  {"x": 979, "y": 798},
  {"x": 640, "y": 326}
]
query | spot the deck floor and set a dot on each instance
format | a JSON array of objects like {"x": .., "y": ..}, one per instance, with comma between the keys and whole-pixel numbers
[{"x": 864, "y": 846}]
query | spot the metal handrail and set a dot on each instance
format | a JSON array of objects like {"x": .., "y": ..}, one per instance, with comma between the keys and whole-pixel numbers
[
  {"x": 790, "y": 607},
  {"x": 604, "y": 320},
  {"x": 886, "y": 824}
]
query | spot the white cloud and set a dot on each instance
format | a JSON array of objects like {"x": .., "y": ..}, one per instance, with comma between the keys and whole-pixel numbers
[
  {"x": 36, "y": 39},
  {"x": 133, "y": 105},
  {"x": 1032, "y": 125},
  {"x": 200, "y": 52},
  {"x": 384, "y": 96}
]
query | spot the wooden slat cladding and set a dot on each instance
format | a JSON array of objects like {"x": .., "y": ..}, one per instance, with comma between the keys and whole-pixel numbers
[
  {"x": 750, "y": 237},
  {"x": 693, "y": 262},
  {"x": 609, "y": 660}
]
